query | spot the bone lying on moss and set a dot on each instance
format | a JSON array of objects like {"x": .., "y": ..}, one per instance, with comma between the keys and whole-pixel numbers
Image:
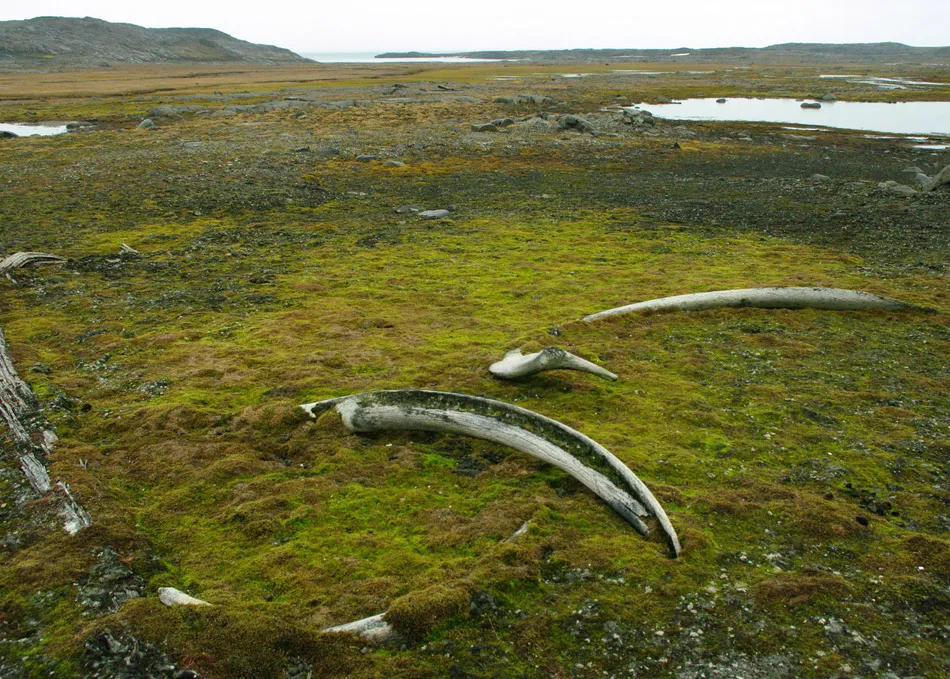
[
  {"x": 548, "y": 440},
  {"x": 833, "y": 299},
  {"x": 516, "y": 365},
  {"x": 374, "y": 629},
  {"x": 175, "y": 597},
  {"x": 20, "y": 259}
]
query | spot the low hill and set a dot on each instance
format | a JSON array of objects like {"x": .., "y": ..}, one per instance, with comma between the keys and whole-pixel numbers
[
  {"x": 886, "y": 52},
  {"x": 63, "y": 41}
]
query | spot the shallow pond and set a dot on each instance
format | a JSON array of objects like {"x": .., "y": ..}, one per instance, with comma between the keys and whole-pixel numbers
[
  {"x": 22, "y": 130},
  {"x": 913, "y": 117}
]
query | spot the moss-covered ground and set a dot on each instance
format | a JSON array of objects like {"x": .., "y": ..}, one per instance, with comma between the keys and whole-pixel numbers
[{"x": 801, "y": 455}]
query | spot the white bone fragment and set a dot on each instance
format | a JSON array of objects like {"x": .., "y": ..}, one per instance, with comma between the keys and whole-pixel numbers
[
  {"x": 515, "y": 364},
  {"x": 834, "y": 299},
  {"x": 508, "y": 425},
  {"x": 175, "y": 597},
  {"x": 374, "y": 629}
]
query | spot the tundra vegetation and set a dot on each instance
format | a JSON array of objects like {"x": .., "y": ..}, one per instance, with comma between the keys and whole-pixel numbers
[{"x": 802, "y": 455}]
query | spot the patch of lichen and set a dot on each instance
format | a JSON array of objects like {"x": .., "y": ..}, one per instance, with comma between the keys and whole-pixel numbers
[{"x": 173, "y": 379}]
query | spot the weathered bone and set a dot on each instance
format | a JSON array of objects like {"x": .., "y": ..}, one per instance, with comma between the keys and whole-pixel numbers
[
  {"x": 18, "y": 259},
  {"x": 516, "y": 365},
  {"x": 175, "y": 597},
  {"x": 20, "y": 410},
  {"x": 833, "y": 299},
  {"x": 509, "y": 425},
  {"x": 374, "y": 629}
]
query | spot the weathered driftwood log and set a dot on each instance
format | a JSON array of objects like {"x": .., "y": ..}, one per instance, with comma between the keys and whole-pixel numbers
[
  {"x": 33, "y": 440},
  {"x": 175, "y": 597},
  {"x": 505, "y": 424},
  {"x": 833, "y": 299},
  {"x": 374, "y": 629},
  {"x": 18, "y": 259},
  {"x": 515, "y": 364}
]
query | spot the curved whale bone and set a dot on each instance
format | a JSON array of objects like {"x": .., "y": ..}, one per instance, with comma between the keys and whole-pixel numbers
[
  {"x": 546, "y": 439},
  {"x": 515, "y": 364},
  {"x": 374, "y": 629},
  {"x": 834, "y": 299},
  {"x": 18, "y": 259}
]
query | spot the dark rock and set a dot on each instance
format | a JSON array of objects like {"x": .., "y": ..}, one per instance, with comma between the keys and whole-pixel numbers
[
  {"x": 4, "y": 134},
  {"x": 483, "y": 127},
  {"x": 720, "y": 101},
  {"x": 663, "y": 100},
  {"x": 810, "y": 104},
  {"x": 365, "y": 157}
]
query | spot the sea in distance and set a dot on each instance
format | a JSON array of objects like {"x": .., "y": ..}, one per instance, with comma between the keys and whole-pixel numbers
[{"x": 370, "y": 58}]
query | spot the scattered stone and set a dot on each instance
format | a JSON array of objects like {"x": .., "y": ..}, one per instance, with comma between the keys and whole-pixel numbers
[
  {"x": 110, "y": 655},
  {"x": 146, "y": 124},
  {"x": 572, "y": 122},
  {"x": 663, "y": 100},
  {"x": 301, "y": 149},
  {"x": 394, "y": 163},
  {"x": 829, "y": 97},
  {"x": 638, "y": 118},
  {"x": 942, "y": 179},
  {"x": 403, "y": 209},
  {"x": 819, "y": 177},
  {"x": 922, "y": 180},
  {"x": 365, "y": 157},
  {"x": 192, "y": 144},
  {"x": 913, "y": 170},
  {"x": 894, "y": 187},
  {"x": 483, "y": 127},
  {"x": 810, "y": 104},
  {"x": 434, "y": 214},
  {"x": 327, "y": 152},
  {"x": 720, "y": 101}
]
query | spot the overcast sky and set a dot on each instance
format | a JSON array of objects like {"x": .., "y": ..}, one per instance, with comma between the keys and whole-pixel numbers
[{"x": 447, "y": 25}]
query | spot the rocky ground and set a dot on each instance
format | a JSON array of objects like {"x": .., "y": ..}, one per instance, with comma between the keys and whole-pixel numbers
[{"x": 308, "y": 241}]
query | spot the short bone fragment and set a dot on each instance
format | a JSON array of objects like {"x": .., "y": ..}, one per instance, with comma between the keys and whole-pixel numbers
[
  {"x": 516, "y": 365},
  {"x": 175, "y": 597},
  {"x": 834, "y": 299},
  {"x": 549, "y": 440},
  {"x": 374, "y": 629}
]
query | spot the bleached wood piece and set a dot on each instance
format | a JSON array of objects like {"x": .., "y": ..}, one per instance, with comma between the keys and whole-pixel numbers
[
  {"x": 516, "y": 365},
  {"x": 374, "y": 629},
  {"x": 834, "y": 299},
  {"x": 508, "y": 425},
  {"x": 175, "y": 597},
  {"x": 128, "y": 250}
]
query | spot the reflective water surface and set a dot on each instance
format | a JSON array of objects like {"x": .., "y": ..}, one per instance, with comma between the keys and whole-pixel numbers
[
  {"x": 913, "y": 117},
  {"x": 22, "y": 130}
]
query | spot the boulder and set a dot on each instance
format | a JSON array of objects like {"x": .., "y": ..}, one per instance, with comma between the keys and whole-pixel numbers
[
  {"x": 483, "y": 127},
  {"x": 365, "y": 157},
  {"x": 720, "y": 101},
  {"x": 146, "y": 124},
  {"x": 394, "y": 163},
  {"x": 810, "y": 104},
  {"x": 4, "y": 134},
  {"x": 572, "y": 122},
  {"x": 942, "y": 179},
  {"x": 638, "y": 118},
  {"x": 828, "y": 96}
]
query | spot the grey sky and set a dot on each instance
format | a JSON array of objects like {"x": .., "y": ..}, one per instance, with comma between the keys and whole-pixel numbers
[{"x": 443, "y": 25}]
